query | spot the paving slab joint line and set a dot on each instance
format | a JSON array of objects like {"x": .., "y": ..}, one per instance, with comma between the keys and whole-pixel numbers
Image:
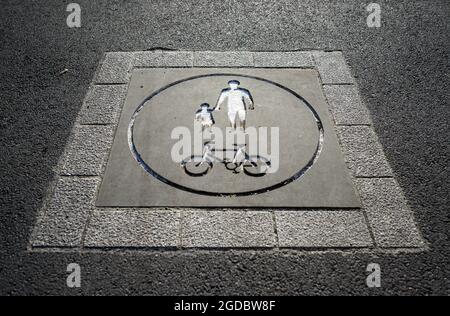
[
  {"x": 301, "y": 50},
  {"x": 79, "y": 176},
  {"x": 314, "y": 60},
  {"x": 189, "y": 251},
  {"x": 52, "y": 249},
  {"x": 338, "y": 84},
  {"x": 369, "y": 228},
  {"x": 131, "y": 249},
  {"x": 354, "y": 125},
  {"x": 94, "y": 124},
  {"x": 230, "y": 248},
  {"x": 180, "y": 228},
  {"x": 374, "y": 177},
  {"x": 283, "y": 67},
  {"x": 100, "y": 84},
  {"x": 161, "y": 48},
  {"x": 275, "y": 229},
  {"x": 169, "y": 67},
  {"x": 97, "y": 191},
  {"x": 86, "y": 226},
  {"x": 105, "y": 162}
]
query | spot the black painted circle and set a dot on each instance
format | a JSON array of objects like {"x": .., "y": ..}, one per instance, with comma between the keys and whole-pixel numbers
[{"x": 294, "y": 177}]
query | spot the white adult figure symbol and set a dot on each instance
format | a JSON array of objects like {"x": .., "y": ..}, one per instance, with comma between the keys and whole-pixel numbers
[{"x": 237, "y": 98}]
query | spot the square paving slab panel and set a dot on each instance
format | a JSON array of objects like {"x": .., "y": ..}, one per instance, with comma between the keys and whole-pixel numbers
[{"x": 159, "y": 157}]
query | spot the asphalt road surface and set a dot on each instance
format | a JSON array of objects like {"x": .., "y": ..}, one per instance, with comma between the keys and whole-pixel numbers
[{"x": 402, "y": 70}]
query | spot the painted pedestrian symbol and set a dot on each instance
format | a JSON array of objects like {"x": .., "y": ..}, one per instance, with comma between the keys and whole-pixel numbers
[
  {"x": 205, "y": 117},
  {"x": 237, "y": 101}
]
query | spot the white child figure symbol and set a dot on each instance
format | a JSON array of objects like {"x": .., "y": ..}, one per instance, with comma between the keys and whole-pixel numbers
[{"x": 205, "y": 117}]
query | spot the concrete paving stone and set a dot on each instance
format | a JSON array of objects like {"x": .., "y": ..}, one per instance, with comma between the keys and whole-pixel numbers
[
  {"x": 116, "y": 68},
  {"x": 163, "y": 59},
  {"x": 228, "y": 229},
  {"x": 223, "y": 59},
  {"x": 363, "y": 152},
  {"x": 103, "y": 104},
  {"x": 284, "y": 59},
  {"x": 322, "y": 229},
  {"x": 133, "y": 228},
  {"x": 332, "y": 68},
  {"x": 87, "y": 151},
  {"x": 390, "y": 218},
  {"x": 346, "y": 106},
  {"x": 63, "y": 220}
]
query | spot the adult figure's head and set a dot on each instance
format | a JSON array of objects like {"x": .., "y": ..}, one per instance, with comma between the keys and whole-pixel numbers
[
  {"x": 204, "y": 106},
  {"x": 234, "y": 84}
]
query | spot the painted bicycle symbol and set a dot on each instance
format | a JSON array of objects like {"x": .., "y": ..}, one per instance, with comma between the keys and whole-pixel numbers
[{"x": 199, "y": 166}]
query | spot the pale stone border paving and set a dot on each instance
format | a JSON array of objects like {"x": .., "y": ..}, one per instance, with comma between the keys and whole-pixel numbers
[{"x": 70, "y": 220}]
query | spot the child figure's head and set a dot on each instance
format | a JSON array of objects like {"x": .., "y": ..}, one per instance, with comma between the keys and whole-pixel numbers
[{"x": 204, "y": 106}]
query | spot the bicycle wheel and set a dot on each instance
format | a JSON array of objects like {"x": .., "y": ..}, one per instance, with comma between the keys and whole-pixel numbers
[
  {"x": 195, "y": 166},
  {"x": 256, "y": 166}
]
